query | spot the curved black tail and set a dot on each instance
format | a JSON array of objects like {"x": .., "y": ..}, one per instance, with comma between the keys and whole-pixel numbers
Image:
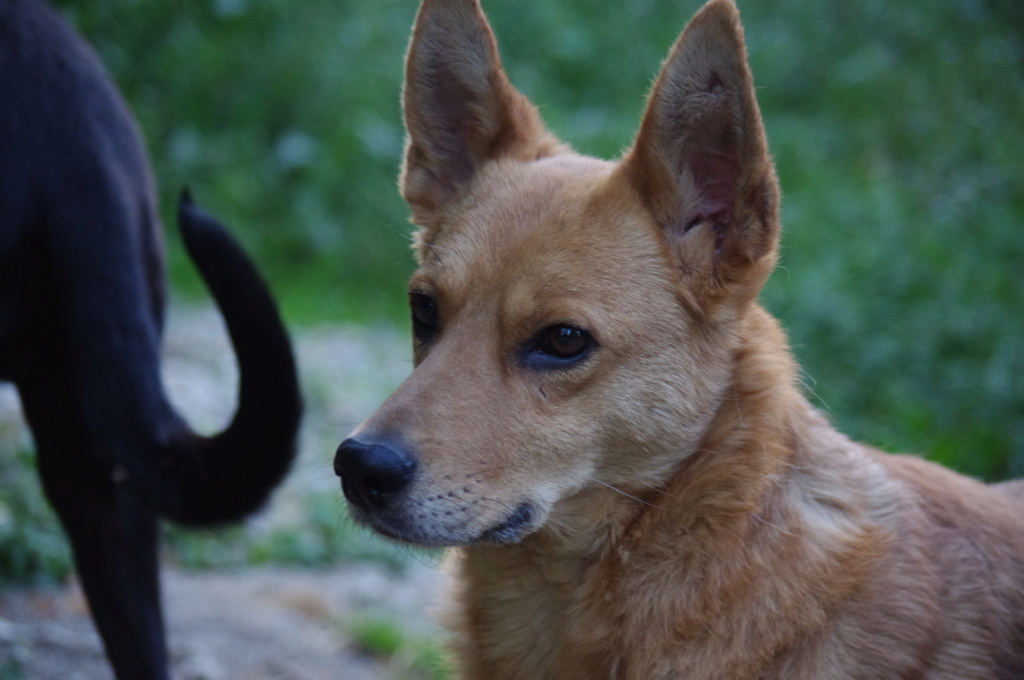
[{"x": 225, "y": 477}]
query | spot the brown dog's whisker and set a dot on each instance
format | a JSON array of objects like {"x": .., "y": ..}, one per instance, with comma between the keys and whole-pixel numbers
[
  {"x": 761, "y": 520},
  {"x": 620, "y": 491},
  {"x": 437, "y": 250}
]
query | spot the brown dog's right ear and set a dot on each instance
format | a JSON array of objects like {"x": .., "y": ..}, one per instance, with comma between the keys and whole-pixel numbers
[
  {"x": 700, "y": 163},
  {"x": 460, "y": 109}
]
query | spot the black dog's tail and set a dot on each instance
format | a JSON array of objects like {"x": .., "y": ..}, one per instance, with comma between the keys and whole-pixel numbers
[{"x": 222, "y": 478}]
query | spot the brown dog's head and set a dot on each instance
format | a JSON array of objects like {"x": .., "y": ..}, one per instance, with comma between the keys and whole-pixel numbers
[{"x": 575, "y": 320}]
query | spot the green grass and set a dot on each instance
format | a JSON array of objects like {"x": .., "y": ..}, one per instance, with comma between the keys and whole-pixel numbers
[
  {"x": 320, "y": 536},
  {"x": 32, "y": 548},
  {"x": 406, "y": 657},
  {"x": 282, "y": 118},
  {"x": 904, "y": 201},
  {"x": 10, "y": 669},
  {"x": 896, "y": 129}
]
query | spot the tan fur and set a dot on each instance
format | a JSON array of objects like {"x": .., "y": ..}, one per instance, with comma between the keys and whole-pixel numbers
[{"x": 669, "y": 506}]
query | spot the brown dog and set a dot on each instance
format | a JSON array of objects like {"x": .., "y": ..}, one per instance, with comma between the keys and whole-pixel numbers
[{"x": 610, "y": 428}]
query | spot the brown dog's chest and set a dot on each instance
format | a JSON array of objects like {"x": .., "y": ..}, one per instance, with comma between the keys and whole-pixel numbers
[
  {"x": 527, "y": 618},
  {"x": 524, "y": 618},
  {"x": 782, "y": 603}
]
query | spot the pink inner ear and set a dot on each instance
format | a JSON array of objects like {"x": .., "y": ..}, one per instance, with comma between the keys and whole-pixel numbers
[{"x": 714, "y": 176}]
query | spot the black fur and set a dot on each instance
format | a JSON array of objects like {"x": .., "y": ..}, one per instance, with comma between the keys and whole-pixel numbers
[{"x": 81, "y": 314}]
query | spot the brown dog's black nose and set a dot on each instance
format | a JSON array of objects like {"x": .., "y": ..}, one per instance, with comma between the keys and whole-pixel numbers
[{"x": 372, "y": 474}]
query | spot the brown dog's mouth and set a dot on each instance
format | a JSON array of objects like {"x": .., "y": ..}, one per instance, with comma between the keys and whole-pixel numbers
[
  {"x": 419, "y": 525},
  {"x": 513, "y": 528}
]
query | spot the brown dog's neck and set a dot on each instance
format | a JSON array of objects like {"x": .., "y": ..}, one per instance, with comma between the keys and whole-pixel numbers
[{"x": 756, "y": 435}]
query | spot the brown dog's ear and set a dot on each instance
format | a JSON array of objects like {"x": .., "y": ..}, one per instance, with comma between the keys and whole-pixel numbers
[
  {"x": 700, "y": 162},
  {"x": 460, "y": 109}
]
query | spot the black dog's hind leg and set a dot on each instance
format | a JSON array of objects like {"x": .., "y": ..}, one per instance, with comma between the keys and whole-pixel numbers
[{"x": 115, "y": 541}]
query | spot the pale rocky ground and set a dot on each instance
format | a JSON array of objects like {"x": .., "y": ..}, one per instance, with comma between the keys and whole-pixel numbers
[{"x": 255, "y": 623}]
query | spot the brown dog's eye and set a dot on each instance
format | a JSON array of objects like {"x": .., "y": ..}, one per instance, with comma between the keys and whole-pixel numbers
[
  {"x": 563, "y": 341},
  {"x": 424, "y": 316},
  {"x": 559, "y": 346}
]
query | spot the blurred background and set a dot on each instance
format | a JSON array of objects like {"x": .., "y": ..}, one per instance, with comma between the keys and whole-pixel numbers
[{"x": 897, "y": 130}]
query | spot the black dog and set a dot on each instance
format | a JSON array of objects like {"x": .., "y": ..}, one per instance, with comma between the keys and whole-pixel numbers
[{"x": 81, "y": 312}]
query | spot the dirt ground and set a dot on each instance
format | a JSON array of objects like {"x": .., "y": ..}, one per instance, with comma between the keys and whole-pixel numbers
[
  {"x": 255, "y": 624},
  {"x": 266, "y": 623}
]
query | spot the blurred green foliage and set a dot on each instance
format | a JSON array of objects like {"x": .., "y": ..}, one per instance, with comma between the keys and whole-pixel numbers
[
  {"x": 323, "y": 536},
  {"x": 32, "y": 549},
  {"x": 406, "y": 657},
  {"x": 281, "y": 116},
  {"x": 896, "y": 128}
]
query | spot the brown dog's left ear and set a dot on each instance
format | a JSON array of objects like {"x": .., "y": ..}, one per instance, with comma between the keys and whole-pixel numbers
[
  {"x": 700, "y": 162},
  {"x": 460, "y": 109}
]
